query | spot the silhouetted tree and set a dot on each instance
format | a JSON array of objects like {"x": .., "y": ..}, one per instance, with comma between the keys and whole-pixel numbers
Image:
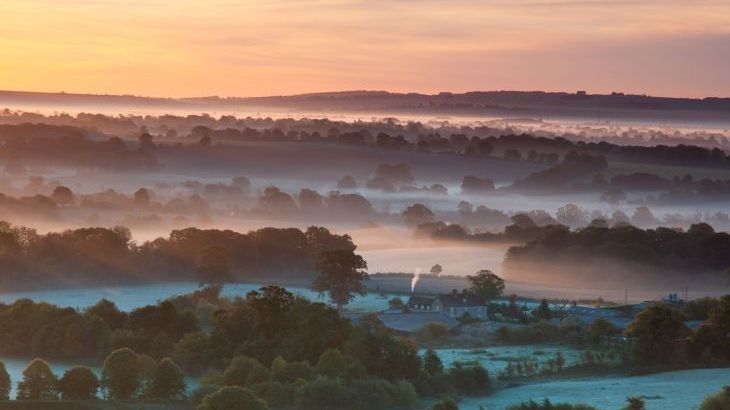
[
  {"x": 486, "y": 284},
  {"x": 120, "y": 375},
  {"x": 39, "y": 382},
  {"x": 341, "y": 274},
  {"x": 78, "y": 383}
]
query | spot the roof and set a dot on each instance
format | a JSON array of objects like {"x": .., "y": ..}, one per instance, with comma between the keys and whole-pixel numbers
[
  {"x": 411, "y": 322},
  {"x": 460, "y": 300},
  {"x": 420, "y": 300}
]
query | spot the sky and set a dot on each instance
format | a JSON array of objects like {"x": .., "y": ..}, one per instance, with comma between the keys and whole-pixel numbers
[{"x": 182, "y": 48}]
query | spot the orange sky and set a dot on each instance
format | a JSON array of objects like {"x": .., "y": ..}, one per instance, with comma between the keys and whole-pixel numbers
[{"x": 259, "y": 47}]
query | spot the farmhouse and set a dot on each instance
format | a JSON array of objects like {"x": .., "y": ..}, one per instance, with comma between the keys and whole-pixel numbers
[{"x": 455, "y": 304}]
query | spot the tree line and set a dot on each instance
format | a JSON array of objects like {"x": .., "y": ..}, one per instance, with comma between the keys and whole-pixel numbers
[{"x": 108, "y": 255}]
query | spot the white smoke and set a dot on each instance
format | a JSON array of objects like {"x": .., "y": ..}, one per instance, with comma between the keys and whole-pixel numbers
[{"x": 415, "y": 279}]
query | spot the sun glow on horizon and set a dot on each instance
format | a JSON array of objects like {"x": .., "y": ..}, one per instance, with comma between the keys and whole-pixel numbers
[{"x": 219, "y": 47}]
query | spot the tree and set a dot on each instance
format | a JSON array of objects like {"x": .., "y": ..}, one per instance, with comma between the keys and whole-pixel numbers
[
  {"x": 142, "y": 198},
  {"x": 432, "y": 362},
  {"x": 78, "y": 383},
  {"x": 146, "y": 143},
  {"x": 599, "y": 328},
  {"x": 39, "y": 382},
  {"x": 214, "y": 265},
  {"x": 120, "y": 375},
  {"x": 205, "y": 141},
  {"x": 657, "y": 330},
  {"x": 417, "y": 214},
  {"x": 4, "y": 383},
  {"x": 486, "y": 284},
  {"x": 347, "y": 182},
  {"x": 446, "y": 403},
  {"x": 436, "y": 269},
  {"x": 190, "y": 352},
  {"x": 232, "y": 398},
  {"x": 168, "y": 381},
  {"x": 543, "y": 311},
  {"x": 341, "y": 274},
  {"x": 62, "y": 195}
]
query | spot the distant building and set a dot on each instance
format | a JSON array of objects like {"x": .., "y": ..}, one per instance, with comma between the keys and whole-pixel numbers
[{"x": 452, "y": 304}]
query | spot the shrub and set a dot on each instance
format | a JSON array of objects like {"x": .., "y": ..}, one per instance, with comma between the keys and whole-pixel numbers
[
  {"x": 232, "y": 398},
  {"x": 79, "y": 383}
]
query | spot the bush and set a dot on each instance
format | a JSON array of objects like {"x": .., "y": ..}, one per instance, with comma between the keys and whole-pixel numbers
[
  {"x": 719, "y": 401},
  {"x": 232, "y": 398},
  {"x": 323, "y": 393},
  {"x": 79, "y": 383},
  {"x": 39, "y": 382}
]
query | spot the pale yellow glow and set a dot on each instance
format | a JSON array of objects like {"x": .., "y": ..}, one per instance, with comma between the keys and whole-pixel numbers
[{"x": 226, "y": 47}]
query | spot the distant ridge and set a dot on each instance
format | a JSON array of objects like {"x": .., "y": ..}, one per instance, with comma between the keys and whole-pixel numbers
[{"x": 522, "y": 103}]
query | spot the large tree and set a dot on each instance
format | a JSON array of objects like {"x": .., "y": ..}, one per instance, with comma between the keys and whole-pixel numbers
[
  {"x": 486, "y": 284},
  {"x": 658, "y": 330},
  {"x": 341, "y": 274}
]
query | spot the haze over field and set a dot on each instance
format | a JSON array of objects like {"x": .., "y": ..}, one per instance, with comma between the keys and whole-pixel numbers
[{"x": 365, "y": 205}]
